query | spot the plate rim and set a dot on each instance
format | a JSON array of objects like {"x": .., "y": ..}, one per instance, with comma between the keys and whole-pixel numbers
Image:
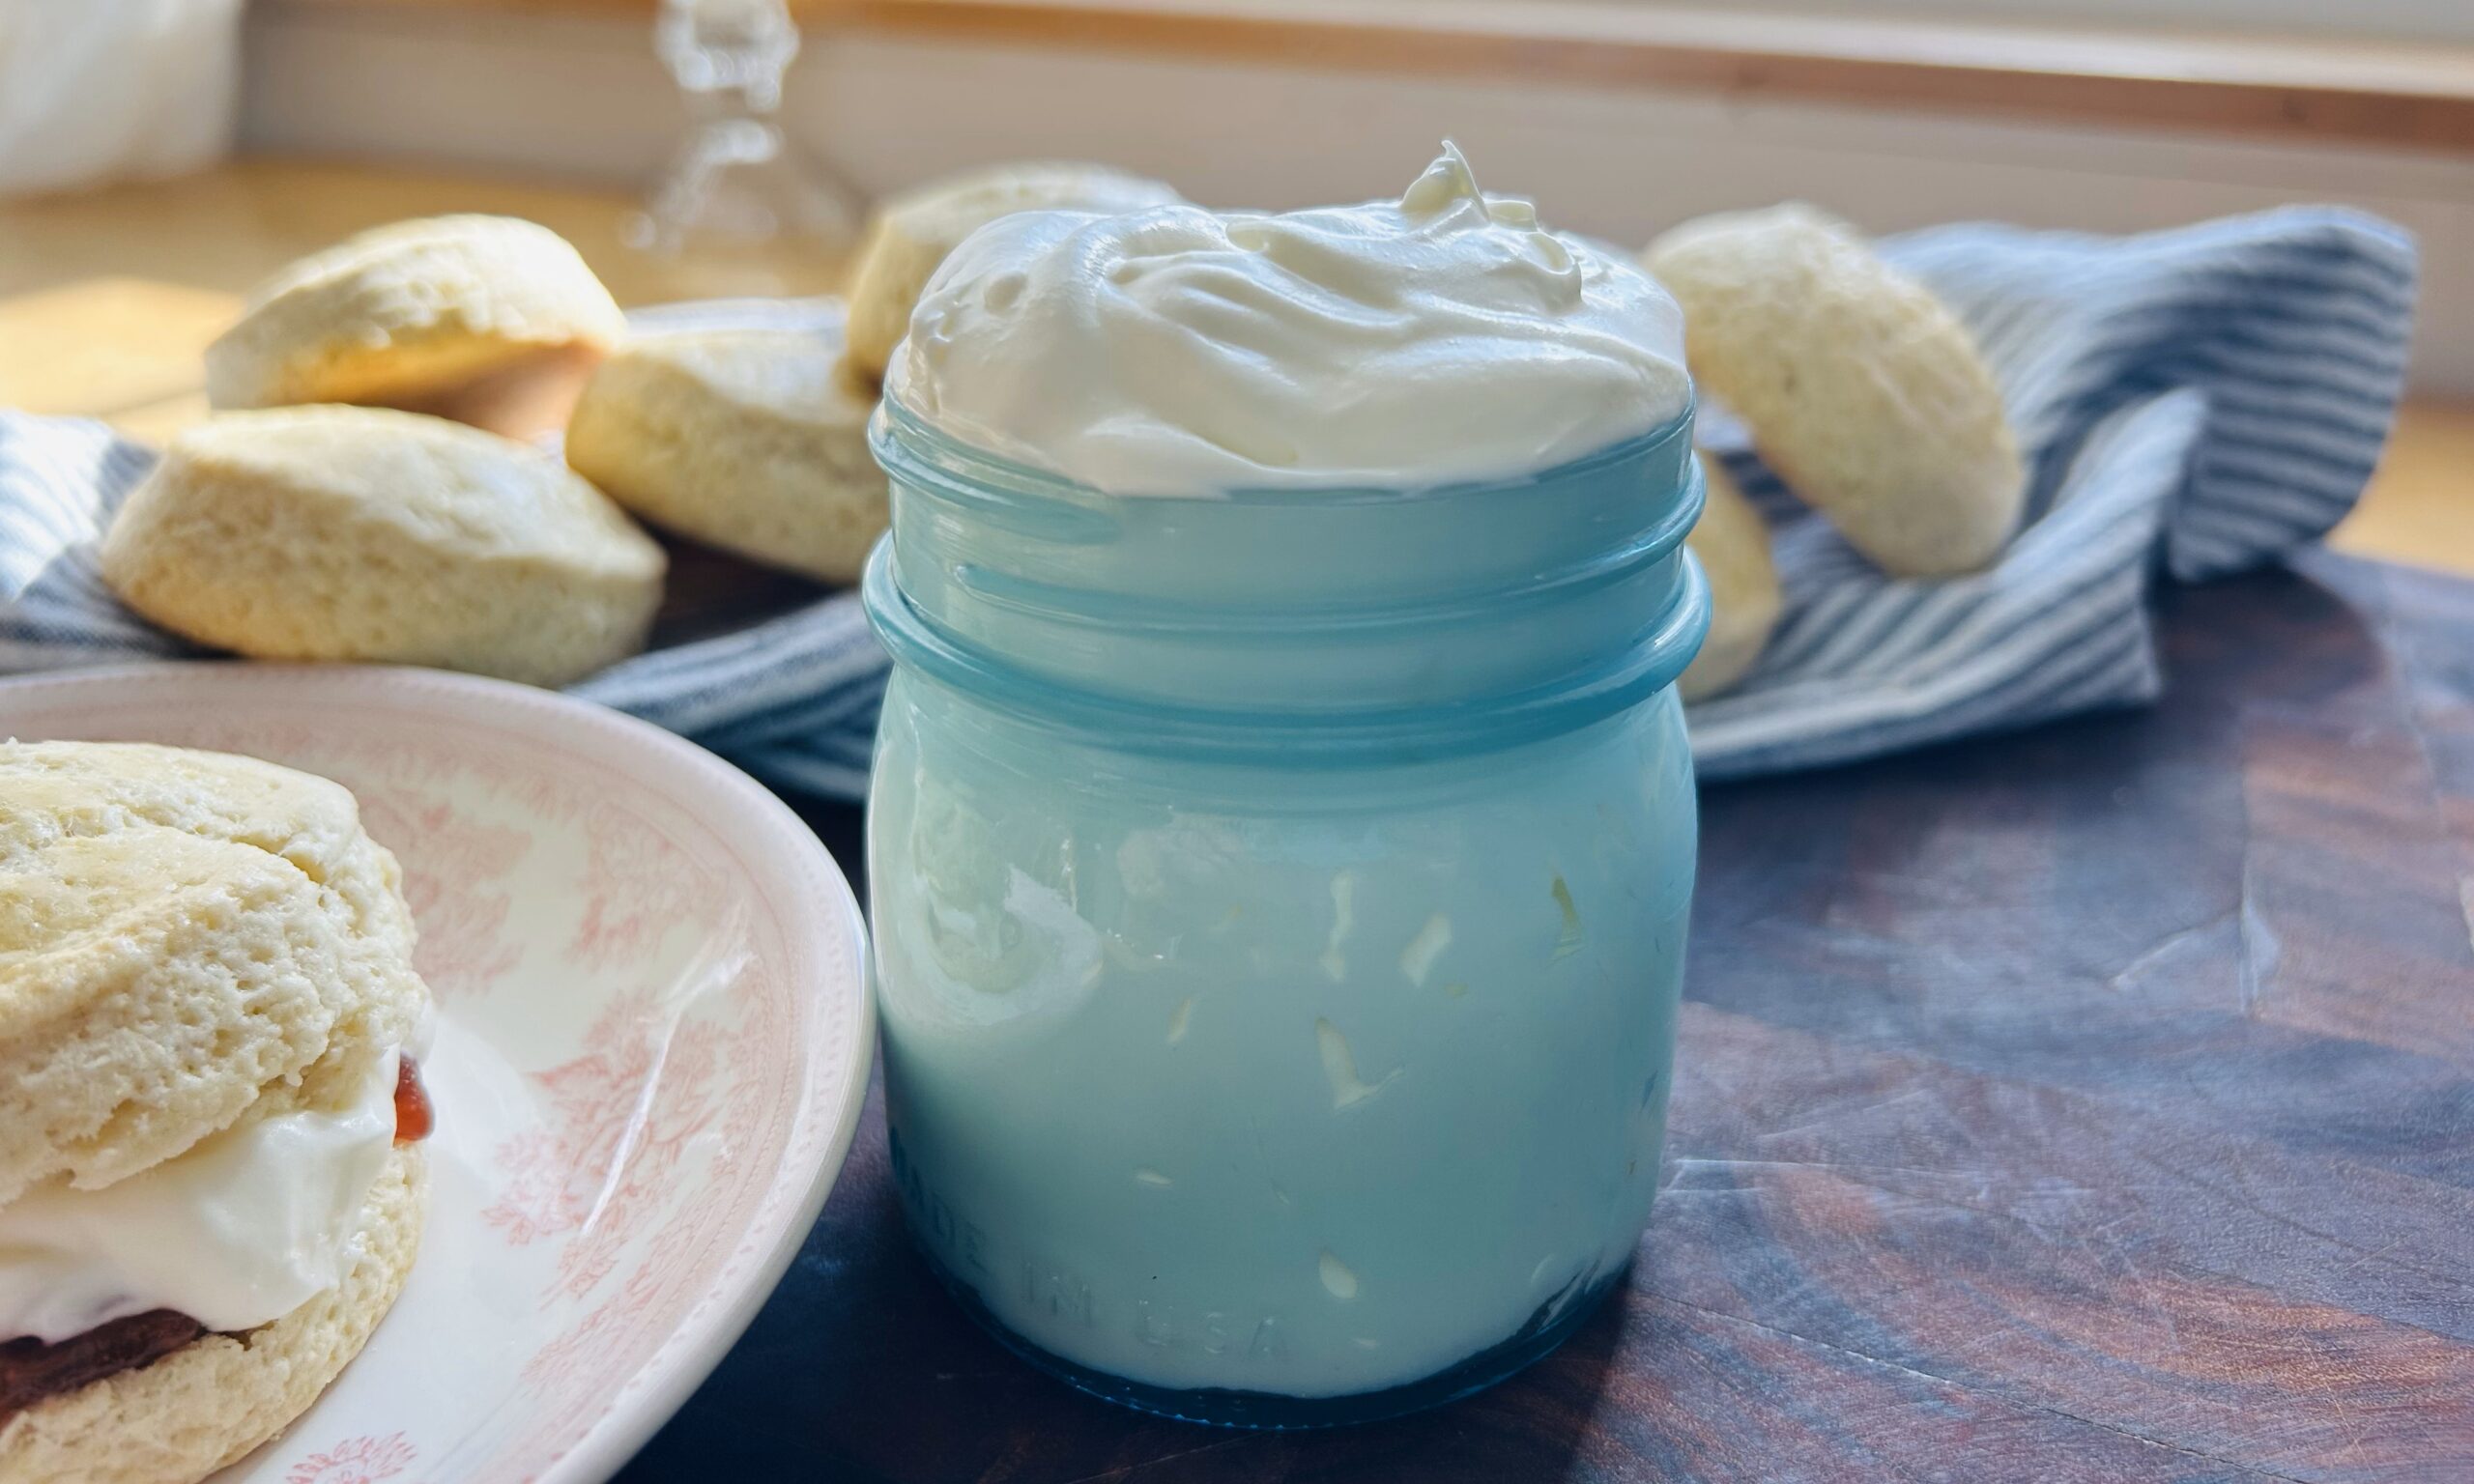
[{"x": 679, "y": 1369}]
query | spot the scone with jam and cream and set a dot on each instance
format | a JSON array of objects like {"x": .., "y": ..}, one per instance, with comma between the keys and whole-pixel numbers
[{"x": 211, "y": 1187}]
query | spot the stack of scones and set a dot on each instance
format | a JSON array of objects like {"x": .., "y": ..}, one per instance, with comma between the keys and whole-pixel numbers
[{"x": 370, "y": 487}]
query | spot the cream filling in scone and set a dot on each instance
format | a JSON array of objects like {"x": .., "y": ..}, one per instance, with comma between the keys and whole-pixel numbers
[
  {"x": 159, "y": 1402},
  {"x": 287, "y": 1234},
  {"x": 245, "y": 1227}
]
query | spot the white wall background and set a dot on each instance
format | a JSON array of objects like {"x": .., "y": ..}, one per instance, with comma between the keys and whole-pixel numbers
[
  {"x": 2389, "y": 19},
  {"x": 582, "y": 96}
]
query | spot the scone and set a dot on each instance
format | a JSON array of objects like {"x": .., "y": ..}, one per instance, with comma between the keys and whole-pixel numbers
[
  {"x": 489, "y": 319},
  {"x": 911, "y": 233},
  {"x": 354, "y": 534},
  {"x": 751, "y": 440},
  {"x": 1733, "y": 543},
  {"x": 1863, "y": 391},
  {"x": 208, "y": 1022}
]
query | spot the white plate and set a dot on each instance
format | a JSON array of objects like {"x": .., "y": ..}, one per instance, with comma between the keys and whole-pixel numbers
[{"x": 654, "y": 1041}]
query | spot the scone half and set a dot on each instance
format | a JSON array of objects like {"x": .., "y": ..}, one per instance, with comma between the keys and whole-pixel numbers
[
  {"x": 754, "y": 441},
  {"x": 1863, "y": 390},
  {"x": 490, "y": 319},
  {"x": 217, "y": 1397},
  {"x": 1731, "y": 543},
  {"x": 909, "y": 236}
]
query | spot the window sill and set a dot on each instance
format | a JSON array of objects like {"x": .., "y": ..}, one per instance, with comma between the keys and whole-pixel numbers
[{"x": 2302, "y": 90}]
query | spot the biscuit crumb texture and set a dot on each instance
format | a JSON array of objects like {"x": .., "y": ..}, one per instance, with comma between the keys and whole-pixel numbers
[
  {"x": 755, "y": 441},
  {"x": 215, "y": 1400},
  {"x": 358, "y": 534},
  {"x": 402, "y": 311},
  {"x": 1861, "y": 389},
  {"x": 188, "y": 940},
  {"x": 911, "y": 233}
]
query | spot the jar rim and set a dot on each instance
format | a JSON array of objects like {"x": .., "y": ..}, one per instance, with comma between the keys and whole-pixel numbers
[
  {"x": 898, "y": 435},
  {"x": 1651, "y": 663},
  {"x": 1012, "y": 589}
]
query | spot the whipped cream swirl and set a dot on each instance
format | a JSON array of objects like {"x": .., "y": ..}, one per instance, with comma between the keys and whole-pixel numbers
[{"x": 1440, "y": 338}]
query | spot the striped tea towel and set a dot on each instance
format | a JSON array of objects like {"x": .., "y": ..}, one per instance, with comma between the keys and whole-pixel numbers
[{"x": 2199, "y": 401}]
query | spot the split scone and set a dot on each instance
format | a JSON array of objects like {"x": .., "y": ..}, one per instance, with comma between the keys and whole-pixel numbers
[
  {"x": 755, "y": 441},
  {"x": 1860, "y": 389},
  {"x": 211, "y": 1188},
  {"x": 911, "y": 234},
  {"x": 356, "y": 533},
  {"x": 1733, "y": 543},
  {"x": 488, "y": 320}
]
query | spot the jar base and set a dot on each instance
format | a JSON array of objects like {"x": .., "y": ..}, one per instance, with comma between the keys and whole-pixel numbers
[{"x": 1270, "y": 1412}]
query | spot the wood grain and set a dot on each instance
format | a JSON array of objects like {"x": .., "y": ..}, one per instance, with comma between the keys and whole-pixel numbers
[
  {"x": 2095, "y": 1103},
  {"x": 2414, "y": 97}
]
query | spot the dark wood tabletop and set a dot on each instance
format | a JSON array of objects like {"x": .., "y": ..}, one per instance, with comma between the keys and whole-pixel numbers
[{"x": 2094, "y": 1103}]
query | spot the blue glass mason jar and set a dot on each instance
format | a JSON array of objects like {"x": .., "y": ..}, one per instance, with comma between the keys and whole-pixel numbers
[{"x": 1280, "y": 908}]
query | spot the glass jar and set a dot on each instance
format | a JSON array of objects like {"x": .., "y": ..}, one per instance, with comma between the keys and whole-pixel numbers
[{"x": 1280, "y": 906}]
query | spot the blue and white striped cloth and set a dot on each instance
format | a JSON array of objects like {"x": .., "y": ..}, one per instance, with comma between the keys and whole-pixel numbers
[
  {"x": 2198, "y": 401},
  {"x": 2194, "y": 402}
]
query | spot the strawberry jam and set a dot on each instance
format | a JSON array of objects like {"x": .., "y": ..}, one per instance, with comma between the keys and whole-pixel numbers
[{"x": 413, "y": 1116}]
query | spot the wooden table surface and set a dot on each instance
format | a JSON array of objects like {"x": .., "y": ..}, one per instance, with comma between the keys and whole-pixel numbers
[
  {"x": 2095, "y": 1103},
  {"x": 107, "y": 300}
]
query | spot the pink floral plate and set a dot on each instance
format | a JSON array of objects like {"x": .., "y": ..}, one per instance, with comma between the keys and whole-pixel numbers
[{"x": 652, "y": 1047}]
